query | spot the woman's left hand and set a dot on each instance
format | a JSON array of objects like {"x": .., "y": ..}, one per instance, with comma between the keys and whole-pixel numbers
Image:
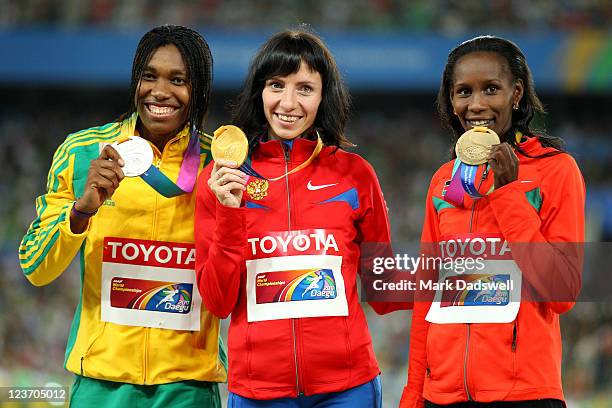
[{"x": 504, "y": 163}]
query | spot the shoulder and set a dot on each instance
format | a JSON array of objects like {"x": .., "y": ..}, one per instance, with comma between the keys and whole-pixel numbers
[
  {"x": 559, "y": 171},
  {"x": 445, "y": 171},
  {"x": 94, "y": 134},
  {"x": 89, "y": 138},
  {"x": 348, "y": 162}
]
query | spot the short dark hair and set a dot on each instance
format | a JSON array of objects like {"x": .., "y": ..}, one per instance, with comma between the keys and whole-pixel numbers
[
  {"x": 198, "y": 61},
  {"x": 281, "y": 55},
  {"x": 529, "y": 104}
]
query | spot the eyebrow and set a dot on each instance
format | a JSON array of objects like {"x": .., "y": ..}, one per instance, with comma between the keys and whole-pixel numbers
[
  {"x": 489, "y": 80},
  {"x": 152, "y": 68}
]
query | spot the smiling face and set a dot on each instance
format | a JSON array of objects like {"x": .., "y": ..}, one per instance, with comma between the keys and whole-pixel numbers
[
  {"x": 163, "y": 96},
  {"x": 483, "y": 91},
  {"x": 291, "y": 102}
]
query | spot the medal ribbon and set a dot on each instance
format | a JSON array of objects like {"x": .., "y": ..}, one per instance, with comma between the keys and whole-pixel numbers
[
  {"x": 246, "y": 167},
  {"x": 187, "y": 174},
  {"x": 313, "y": 155},
  {"x": 463, "y": 179}
]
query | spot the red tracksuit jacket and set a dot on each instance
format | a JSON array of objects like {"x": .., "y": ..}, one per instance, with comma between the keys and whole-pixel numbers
[
  {"x": 285, "y": 266},
  {"x": 520, "y": 359}
]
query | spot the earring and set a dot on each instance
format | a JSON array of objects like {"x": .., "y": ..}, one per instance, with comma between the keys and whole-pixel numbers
[{"x": 515, "y": 106}]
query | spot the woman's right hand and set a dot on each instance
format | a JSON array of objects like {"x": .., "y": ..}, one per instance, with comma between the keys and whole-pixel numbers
[
  {"x": 227, "y": 183},
  {"x": 103, "y": 178}
]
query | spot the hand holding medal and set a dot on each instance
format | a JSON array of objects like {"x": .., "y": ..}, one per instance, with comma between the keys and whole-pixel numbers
[
  {"x": 104, "y": 175},
  {"x": 476, "y": 146},
  {"x": 229, "y": 149},
  {"x": 504, "y": 164}
]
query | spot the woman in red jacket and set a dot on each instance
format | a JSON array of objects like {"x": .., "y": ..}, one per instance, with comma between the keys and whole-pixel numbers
[
  {"x": 523, "y": 221},
  {"x": 281, "y": 253}
]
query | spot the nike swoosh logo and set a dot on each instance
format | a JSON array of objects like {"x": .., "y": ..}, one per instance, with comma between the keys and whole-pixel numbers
[{"x": 314, "y": 188}]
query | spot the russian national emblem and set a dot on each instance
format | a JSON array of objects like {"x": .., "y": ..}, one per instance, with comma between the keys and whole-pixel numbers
[{"x": 257, "y": 188}]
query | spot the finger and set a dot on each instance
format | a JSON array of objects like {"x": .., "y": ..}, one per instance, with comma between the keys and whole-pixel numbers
[
  {"x": 109, "y": 153},
  {"x": 104, "y": 182},
  {"x": 233, "y": 186},
  {"x": 111, "y": 176},
  {"x": 107, "y": 164},
  {"x": 226, "y": 163},
  {"x": 226, "y": 170},
  {"x": 229, "y": 178},
  {"x": 106, "y": 167}
]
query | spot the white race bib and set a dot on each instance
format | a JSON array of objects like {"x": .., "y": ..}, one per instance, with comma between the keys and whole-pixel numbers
[
  {"x": 150, "y": 284},
  {"x": 288, "y": 287},
  {"x": 487, "y": 292}
]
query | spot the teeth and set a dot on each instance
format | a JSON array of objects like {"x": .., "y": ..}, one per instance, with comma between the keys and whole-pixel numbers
[
  {"x": 480, "y": 122},
  {"x": 161, "y": 110},
  {"x": 286, "y": 118}
]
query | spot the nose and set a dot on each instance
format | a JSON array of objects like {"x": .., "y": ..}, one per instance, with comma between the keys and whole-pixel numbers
[
  {"x": 160, "y": 90},
  {"x": 288, "y": 100},
  {"x": 477, "y": 103}
]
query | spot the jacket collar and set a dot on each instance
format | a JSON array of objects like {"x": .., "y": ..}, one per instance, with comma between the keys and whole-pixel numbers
[
  {"x": 299, "y": 150},
  {"x": 533, "y": 147},
  {"x": 128, "y": 128}
]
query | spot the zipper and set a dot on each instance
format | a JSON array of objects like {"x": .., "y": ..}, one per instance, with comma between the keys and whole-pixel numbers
[
  {"x": 145, "y": 354},
  {"x": 467, "y": 341},
  {"x": 514, "y": 337},
  {"x": 465, "y": 361},
  {"x": 293, "y": 323}
]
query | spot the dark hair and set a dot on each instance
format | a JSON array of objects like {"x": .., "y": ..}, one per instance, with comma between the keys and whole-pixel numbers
[
  {"x": 529, "y": 104},
  {"x": 281, "y": 55},
  {"x": 198, "y": 61}
]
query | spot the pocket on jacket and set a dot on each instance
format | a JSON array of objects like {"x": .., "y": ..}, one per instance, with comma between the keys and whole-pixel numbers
[
  {"x": 445, "y": 349},
  {"x": 270, "y": 354},
  {"x": 493, "y": 357},
  {"x": 327, "y": 349}
]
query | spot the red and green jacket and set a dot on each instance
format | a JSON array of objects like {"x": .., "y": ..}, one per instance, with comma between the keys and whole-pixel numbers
[{"x": 518, "y": 360}]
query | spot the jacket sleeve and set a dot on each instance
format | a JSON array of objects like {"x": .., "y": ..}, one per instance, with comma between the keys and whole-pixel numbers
[
  {"x": 412, "y": 397},
  {"x": 547, "y": 244},
  {"x": 375, "y": 233},
  {"x": 220, "y": 239},
  {"x": 49, "y": 245}
]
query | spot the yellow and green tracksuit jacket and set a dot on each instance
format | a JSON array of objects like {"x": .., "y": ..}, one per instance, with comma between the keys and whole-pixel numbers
[{"x": 103, "y": 349}]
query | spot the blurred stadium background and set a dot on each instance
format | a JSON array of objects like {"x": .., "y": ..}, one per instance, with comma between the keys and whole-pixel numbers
[{"x": 65, "y": 66}]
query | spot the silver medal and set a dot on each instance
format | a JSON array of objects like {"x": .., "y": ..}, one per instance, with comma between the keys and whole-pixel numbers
[{"x": 137, "y": 155}]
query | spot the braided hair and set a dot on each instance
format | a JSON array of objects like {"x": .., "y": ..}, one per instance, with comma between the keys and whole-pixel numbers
[
  {"x": 529, "y": 104},
  {"x": 198, "y": 60}
]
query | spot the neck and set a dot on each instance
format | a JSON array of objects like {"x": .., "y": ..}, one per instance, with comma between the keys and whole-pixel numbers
[{"x": 159, "y": 141}]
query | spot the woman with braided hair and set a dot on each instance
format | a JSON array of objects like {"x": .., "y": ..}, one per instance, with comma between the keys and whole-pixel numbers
[
  {"x": 120, "y": 196},
  {"x": 519, "y": 213}
]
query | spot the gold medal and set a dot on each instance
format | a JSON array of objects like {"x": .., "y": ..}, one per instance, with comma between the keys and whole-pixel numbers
[
  {"x": 230, "y": 143},
  {"x": 474, "y": 145},
  {"x": 257, "y": 188}
]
